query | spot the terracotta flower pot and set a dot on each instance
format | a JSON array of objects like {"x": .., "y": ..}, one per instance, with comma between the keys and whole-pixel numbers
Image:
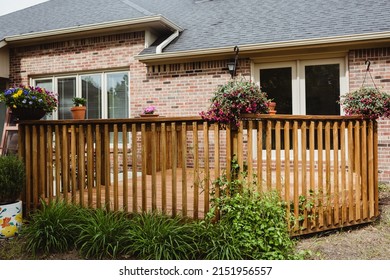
[
  {"x": 78, "y": 113},
  {"x": 272, "y": 106}
]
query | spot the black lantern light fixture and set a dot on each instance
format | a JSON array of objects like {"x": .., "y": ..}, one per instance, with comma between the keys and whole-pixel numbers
[{"x": 232, "y": 65}]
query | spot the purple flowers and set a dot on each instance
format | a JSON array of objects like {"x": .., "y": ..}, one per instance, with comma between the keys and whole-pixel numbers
[
  {"x": 367, "y": 102},
  {"x": 29, "y": 97},
  {"x": 233, "y": 99}
]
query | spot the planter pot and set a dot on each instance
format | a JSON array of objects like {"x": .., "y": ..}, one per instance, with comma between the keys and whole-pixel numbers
[
  {"x": 28, "y": 113},
  {"x": 148, "y": 115},
  {"x": 10, "y": 219},
  {"x": 78, "y": 113},
  {"x": 272, "y": 106}
]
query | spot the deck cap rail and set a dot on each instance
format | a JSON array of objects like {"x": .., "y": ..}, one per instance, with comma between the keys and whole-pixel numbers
[{"x": 161, "y": 119}]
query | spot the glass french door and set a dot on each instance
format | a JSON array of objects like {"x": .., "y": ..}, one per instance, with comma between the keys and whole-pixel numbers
[
  {"x": 306, "y": 87},
  {"x": 321, "y": 84},
  {"x": 277, "y": 81}
]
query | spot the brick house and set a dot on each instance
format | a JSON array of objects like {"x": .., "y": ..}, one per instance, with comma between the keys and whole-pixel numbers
[{"x": 125, "y": 54}]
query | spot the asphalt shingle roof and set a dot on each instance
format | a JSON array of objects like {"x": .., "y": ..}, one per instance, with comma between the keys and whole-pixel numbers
[{"x": 214, "y": 23}]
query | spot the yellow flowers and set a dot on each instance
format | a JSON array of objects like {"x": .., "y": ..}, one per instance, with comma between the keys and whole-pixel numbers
[{"x": 17, "y": 94}]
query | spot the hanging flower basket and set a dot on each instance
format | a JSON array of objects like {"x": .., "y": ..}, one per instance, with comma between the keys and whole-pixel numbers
[
  {"x": 367, "y": 102},
  {"x": 28, "y": 102},
  {"x": 234, "y": 99}
]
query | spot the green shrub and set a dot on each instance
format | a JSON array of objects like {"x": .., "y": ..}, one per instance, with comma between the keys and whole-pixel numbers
[
  {"x": 256, "y": 223},
  {"x": 100, "y": 233},
  {"x": 155, "y": 236},
  {"x": 51, "y": 229},
  {"x": 12, "y": 178},
  {"x": 259, "y": 223}
]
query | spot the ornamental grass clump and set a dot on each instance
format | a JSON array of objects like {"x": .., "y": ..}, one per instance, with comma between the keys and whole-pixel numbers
[
  {"x": 233, "y": 99},
  {"x": 368, "y": 102},
  {"x": 29, "y": 97}
]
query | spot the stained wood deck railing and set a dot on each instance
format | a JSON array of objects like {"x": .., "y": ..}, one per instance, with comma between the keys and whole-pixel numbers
[{"x": 324, "y": 167}]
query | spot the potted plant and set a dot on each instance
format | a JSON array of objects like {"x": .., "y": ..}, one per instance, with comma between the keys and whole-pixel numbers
[
  {"x": 368, "y": 102},
  {"x": 79, "y": 108},
  {"x": 28, "y": 102},
  {"x": 272, "y": 107},
  {"x": 232, "y": 100},
  {"x": 12, "y": 180},
  {"x": 149, "y": 112}
]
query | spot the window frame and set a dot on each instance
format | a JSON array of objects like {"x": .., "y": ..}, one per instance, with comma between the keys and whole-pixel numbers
[{"x": 78, "y": 76}]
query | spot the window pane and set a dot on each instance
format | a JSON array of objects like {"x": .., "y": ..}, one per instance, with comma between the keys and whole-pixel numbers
[
  {"x": 277, "y": 83},
  {"x": 66, "y": 91},
  {"x": 117, "y": 95},
  {"x": 92, "y": 91},
  {"x": 48, "y": 85},
  {"x": 322, "y": 84}
]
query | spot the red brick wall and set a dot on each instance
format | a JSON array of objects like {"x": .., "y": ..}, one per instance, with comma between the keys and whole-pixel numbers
[
  {"x": 380, "y": 72},
  {"x": 182, "y": 89},
  {"x": 95, "y": 53}
]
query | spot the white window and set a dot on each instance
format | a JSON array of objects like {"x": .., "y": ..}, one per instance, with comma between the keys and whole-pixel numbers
[{"x": 107, "y": 93}]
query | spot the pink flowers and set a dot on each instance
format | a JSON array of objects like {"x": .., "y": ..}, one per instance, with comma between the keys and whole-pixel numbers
[
  {"x": 233, "y": 99},
  {"x": 149, "y": 110},
  {"x": 367, "y": 102}
]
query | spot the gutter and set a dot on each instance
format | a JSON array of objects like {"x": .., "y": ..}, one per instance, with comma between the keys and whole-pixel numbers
[
  {"x": 250, "y": 48},
  {"x": 3, "y": 43},
  {"x": 167, "y": 41},
  {"x": 92, "y": 27}
]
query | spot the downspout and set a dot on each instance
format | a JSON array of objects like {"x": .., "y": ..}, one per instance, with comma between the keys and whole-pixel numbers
[{"x": 167, "y": 41}]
